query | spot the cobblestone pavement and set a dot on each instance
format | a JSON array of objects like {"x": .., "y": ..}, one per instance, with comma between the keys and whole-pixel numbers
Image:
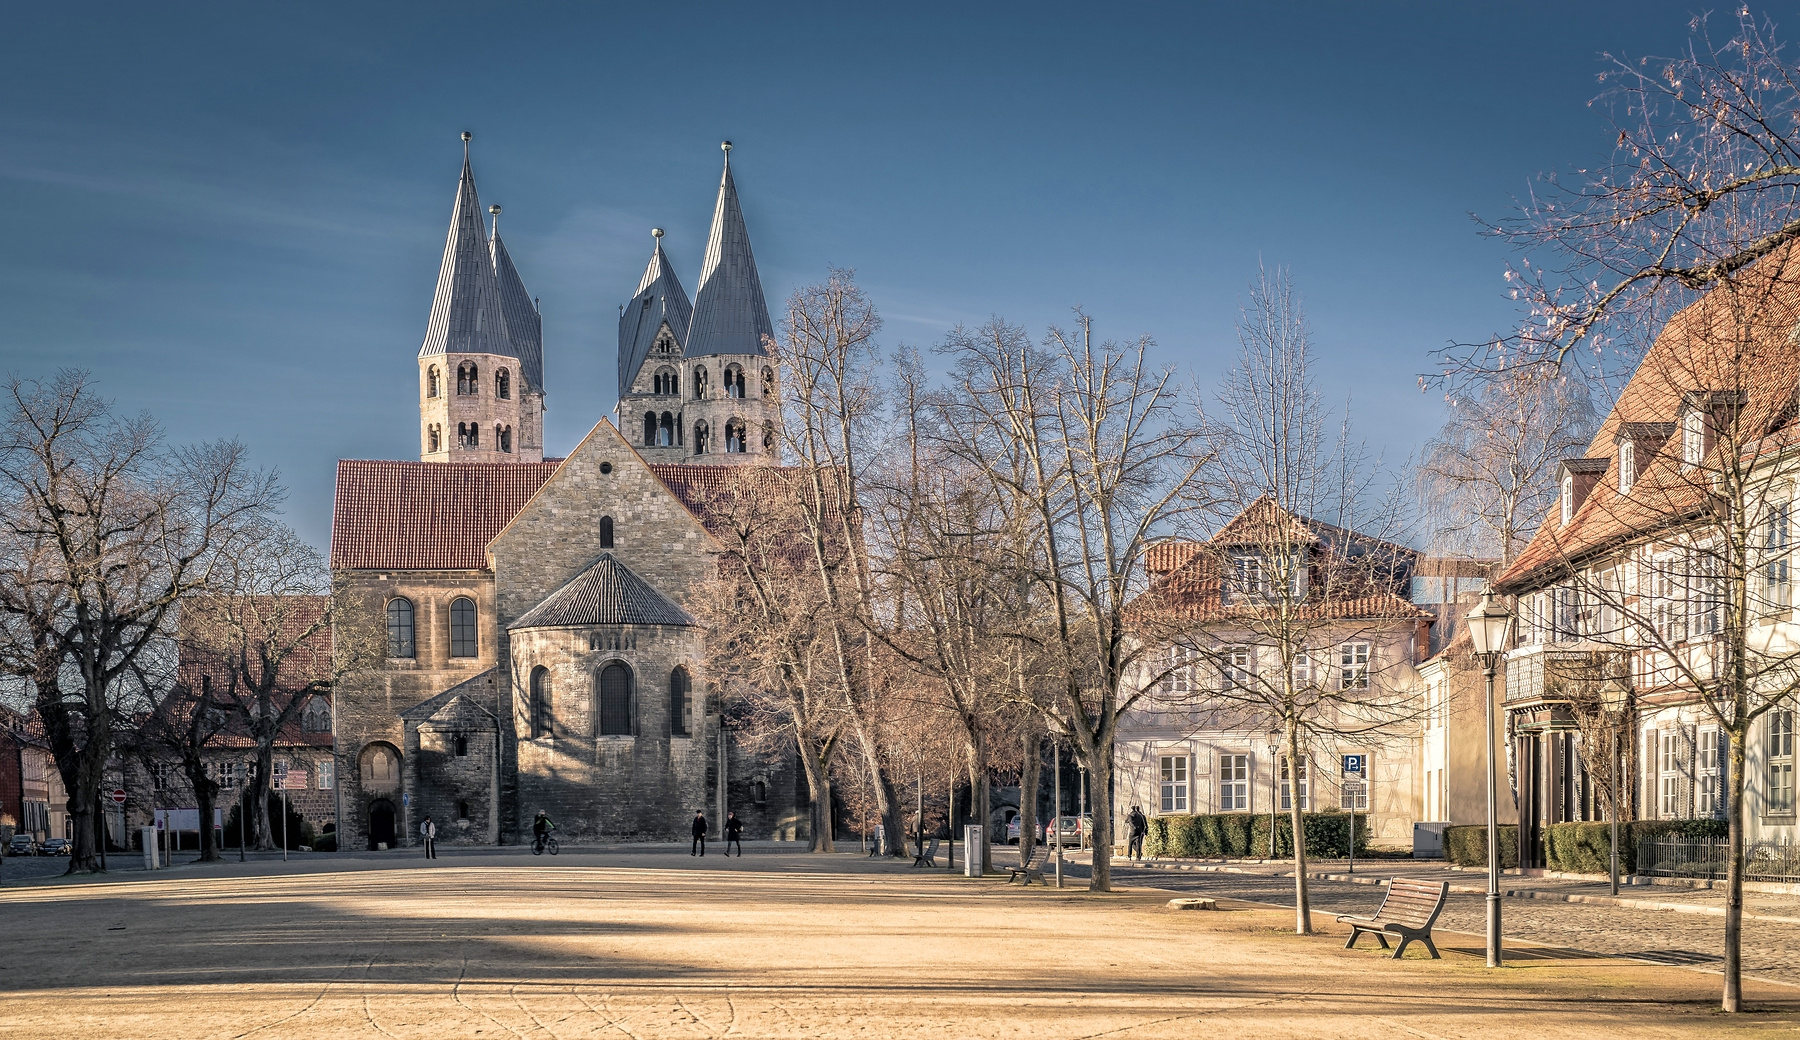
[{"x": 1771, "y": 949}]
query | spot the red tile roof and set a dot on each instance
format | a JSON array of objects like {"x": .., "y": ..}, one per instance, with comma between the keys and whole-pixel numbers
[{"x": 426, "y": 515}]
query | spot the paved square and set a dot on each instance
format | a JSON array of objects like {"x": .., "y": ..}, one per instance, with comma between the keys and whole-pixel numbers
[{"x": 648, "y": 943}]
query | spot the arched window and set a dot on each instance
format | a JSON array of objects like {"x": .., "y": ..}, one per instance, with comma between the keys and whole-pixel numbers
[
  {"x": 769, "y": 435},
  {"x": 649, "y": 428},
  {"x": 468, "y": 435},
  {"x": 734, "y": 437},
  {"x": 503, "y": 385},
  {"x": 400, "y": 628},
  {"x": 466, "y": 378},
  {"x": 431, "y": 381},
  {"x": 700, "y": 383},
  {"x": 615, "y": 700},
  {"x": 666, "y": 382},
  {"x": 462, "y": 746},
  {"x": 734, "y": 381},
  {"x": 317, "y": 716},
  {"x": 433, "y": 437},
  {"x": 681, "y": 707},
  {"x": 768, "y": 381},
  {"x": 462, "y": 627},
  {"x": 503, "y": 434},
  {"x": 679, "y": 427},
  {"x": 665, "y": 431},
  {"x": 700, "y": 432},
  {"x": 606, "y": 536},
  {"x": 540, "y": 702},
  {"x": 462, "y": 810},
  {"x": 760, "y": 792}
]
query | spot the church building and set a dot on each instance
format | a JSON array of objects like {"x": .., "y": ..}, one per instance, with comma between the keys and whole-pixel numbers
[{"x": 522, "y": 633}]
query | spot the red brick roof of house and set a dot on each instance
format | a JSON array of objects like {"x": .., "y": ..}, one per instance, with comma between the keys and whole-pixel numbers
[{"x": 1738, "y": 341}]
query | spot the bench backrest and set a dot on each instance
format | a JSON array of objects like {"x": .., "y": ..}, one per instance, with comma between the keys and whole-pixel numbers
[
  {"x": 1413, "y": 902},
  {"x": 933, "y": 847}
]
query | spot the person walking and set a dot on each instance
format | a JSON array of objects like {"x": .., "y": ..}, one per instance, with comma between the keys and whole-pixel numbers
[
  {"x": 699, "y": 846},
  {"x": 1139, "y": 826},
  {"x": 428, "y": 831},
  {"x": 734, "y": 834}
]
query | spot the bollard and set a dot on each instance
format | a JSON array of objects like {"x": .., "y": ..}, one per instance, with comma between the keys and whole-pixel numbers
[{"x": 148, "y": 837}]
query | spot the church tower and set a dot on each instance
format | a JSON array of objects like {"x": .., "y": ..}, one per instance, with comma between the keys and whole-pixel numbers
[
  {"x": 719, "y": 377},
  {"x": 478, "y": 401}
]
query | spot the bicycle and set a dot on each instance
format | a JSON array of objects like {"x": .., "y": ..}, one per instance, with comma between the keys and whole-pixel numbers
[{"x": 545, "y": 842}]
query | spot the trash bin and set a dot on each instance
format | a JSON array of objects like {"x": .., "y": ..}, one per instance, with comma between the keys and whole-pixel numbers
[{"x": 972, "y": 838}]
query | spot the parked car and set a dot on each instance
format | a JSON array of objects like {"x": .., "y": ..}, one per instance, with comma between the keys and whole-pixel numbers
[
  {"x": 1012, "y": 831},
  {"x": 1070, "y": 831},
  {"x": 21, "y": 845},
  {"x": 55, "y": 847}
]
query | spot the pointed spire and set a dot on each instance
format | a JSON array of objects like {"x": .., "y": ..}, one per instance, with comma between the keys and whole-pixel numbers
[
  {"x": 465, "y": 314},
  {"x": 730, "y": 314},
  {"x": 659, "y": 300},
  {"x": 523, "y": 324}
]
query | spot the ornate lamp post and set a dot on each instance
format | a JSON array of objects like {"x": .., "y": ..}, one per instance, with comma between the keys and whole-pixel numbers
[
  {"x": 1614, "y": 698},
  {"x": 1274, "y": 786},
  {"x": 1490, "y": 627}
]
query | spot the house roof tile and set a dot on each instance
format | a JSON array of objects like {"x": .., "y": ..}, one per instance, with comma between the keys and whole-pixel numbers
[{"x": 426, "y": 515}]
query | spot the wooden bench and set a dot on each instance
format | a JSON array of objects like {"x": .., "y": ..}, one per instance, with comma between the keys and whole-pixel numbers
[
  {"x": 927, "y": 856},
  {"x": 1027, "y": 871},
  {"x": 1407, "y": 912}
]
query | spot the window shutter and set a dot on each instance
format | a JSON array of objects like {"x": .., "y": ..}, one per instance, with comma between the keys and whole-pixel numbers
[
  {"x": 1648, "y": 768},
  {"x": 1724, "y": 775},
  {"x": 1687, "y": 752}
]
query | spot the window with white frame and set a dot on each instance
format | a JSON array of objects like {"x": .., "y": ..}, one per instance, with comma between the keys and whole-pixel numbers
[
  {"x": 1668, "y": 599},
  {"x": 1287, "y": 789},
  {"x": 281, "y": 772},
  {"x": 1248, "y": 578},
  {"x": 1234, "y": 783},
  {"x": 1608, "y": 594},
  {"x": 1237, "y": 666},
  {"x": 1706, "y": 783},
  {"x": 327, "y": 774},
  {"x": 1670, "y": 778},
  {"x": 1174, "y": 771},
  {"x": 164, "y": 775},
  {"x": 1178, "y": 669},
  {"x": 1627, "y": 466},
  {"x": 1568, "y": 497},
  {"x": 1353, "y": 666},
  {"x": 1693, "y": 437},
  {"x": 1779, "y": 757},
  {"x": 226, "y": 773},
  {"x": 1303, "y": 670},
  {"x": 1776, "y": 588},
  {"x": 1706, "y": 600}
]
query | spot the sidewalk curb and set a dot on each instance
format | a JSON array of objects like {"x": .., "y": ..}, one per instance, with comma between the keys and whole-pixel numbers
[{"x": 1465, "y": 889}]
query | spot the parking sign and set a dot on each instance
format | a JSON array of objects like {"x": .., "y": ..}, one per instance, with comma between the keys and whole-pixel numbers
[{"x": 1356, "y": 766}]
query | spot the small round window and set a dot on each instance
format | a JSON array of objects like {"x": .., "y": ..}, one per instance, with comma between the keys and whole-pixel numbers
[{"x": 606, "y": 467}]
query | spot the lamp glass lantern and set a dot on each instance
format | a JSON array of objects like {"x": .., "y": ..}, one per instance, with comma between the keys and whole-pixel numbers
[{"x": 1490, "y": 623}]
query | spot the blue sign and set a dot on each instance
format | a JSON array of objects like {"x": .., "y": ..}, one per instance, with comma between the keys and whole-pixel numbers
[
  {"x": 406, "y": 799},
  {"x": 1356, "y": 766}
]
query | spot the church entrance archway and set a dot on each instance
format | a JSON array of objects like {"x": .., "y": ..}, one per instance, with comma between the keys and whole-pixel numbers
[{"x": 381, "y": 824}]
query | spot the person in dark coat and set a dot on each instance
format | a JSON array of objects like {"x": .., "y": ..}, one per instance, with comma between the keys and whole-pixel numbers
[
  {"x": 428, "y": 831},
  {"x": 1140, "y": 826},
  {"x": 734, "y": 834},
  {"x": 699, "y": 846}
]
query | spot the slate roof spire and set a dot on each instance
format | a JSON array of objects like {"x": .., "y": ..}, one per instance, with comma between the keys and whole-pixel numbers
[
  {"x": 465, "y": 313},
  {"x": 524, "y": 326},
  {"x": 659, "y": 298},
  {"x": 730, "y": 314}
]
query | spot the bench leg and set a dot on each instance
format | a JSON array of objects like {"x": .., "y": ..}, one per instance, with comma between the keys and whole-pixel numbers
[
  {"x": 1355, "y": 934},
  {"x": 1400, "y": 950},
  {"x": 1429, "y": 945}
]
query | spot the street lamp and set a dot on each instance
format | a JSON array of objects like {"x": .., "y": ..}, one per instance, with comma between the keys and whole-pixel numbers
[
  {"x": 1490, "y": 626},
  {"x": 1614, "y": 698},
  {"x": 1274, "y": 788}
]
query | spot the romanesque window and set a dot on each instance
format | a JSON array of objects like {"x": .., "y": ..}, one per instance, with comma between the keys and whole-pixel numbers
[
  {"x": 700, "y": 432},
  {"x": 540, "y": 702},
  {"x": 681, "y": 706},
  {"x": 768, "y": 381},
  {"x": 466, "y": 378},
  {"x": 431, "y": 381},
  {"x": 700, "y": 383},
  {"x": 734, "y": 437},
  {"x": 665, "y": 431},
  {"x": 649, "y": 429},
  {"x": 462, "y": 810},
  {"x": 666, "y": 382},
  {"x": 316, "y": 718},
  {"x": 462, "y": 746},
  {"x": 734, "y": 381},
  {"x": 503, "y": 385},
  {"x": 462, "y": 627},
  {"x": 468, "y": 435},
  {"x": 503, "y": 434},
  {"x": 606, "y": 532},
  {"x": 615, "y": 700},
  {"x": 434, "y": 436},
  {"x": 400, "y": 628}
]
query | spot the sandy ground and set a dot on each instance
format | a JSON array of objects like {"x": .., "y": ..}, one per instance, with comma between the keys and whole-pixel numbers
[{"x": 653, "y": 944}]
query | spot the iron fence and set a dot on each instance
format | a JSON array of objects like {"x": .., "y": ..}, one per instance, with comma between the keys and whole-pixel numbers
[{"x": 1708, "y": 858}]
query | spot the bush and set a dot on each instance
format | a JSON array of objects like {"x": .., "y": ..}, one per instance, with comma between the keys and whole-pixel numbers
[
  {"x": 1586, "y": 848},
  {"x": 326, "y": 842},
  {"x": 1234, "y": 835},
  {"x": 1466, "y": 846}
]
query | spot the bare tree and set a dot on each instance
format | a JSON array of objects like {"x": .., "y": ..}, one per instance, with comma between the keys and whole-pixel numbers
[
  {"x": 104, "y": 531},
  {"x": 1087, "y": 444},
  {"x": 1490, "y": 473},
  {"x": 184, "y": 725}
]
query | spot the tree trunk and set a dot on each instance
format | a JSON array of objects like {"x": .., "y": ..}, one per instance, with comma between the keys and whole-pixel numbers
[
  {"x": 981, "y": 801},
  {"x": 261, "y": 778},
  {"x": 1030, "y": 770},
  {"x": 814, "y": 763},
  {"x": 1734, "y": 876},
  {"x": 206, "y": 794},
  {"x": 887, "y": 801},
  {"x": 1100, "y": 775},
  {"x": 1302, "y": 905}
]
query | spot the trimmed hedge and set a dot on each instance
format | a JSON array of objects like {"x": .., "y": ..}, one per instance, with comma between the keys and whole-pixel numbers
[
  {"x": 1586, "y": 848},
  {"x": 1229, "y": 835},
  {"x": 1466, "y": 846}
]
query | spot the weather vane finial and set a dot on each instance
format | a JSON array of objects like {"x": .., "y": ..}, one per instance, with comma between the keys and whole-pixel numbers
[
  {"x": 656, "y": 232},
  {"x": 494, "y": 211},
  {"x": 725, "y": 146},
  {"x": 466, "y": 136}
]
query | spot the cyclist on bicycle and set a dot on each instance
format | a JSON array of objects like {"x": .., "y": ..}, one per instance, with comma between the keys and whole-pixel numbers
[{"x": 541, "y": 828}]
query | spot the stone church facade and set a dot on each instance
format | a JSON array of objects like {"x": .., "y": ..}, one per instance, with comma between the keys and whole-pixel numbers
[{"x": 527, "y": 633}]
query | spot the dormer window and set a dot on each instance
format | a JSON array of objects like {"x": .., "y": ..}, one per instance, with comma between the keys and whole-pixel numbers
[
  {"x": 1693, "y": 437},
  {"x": 1627, "y": 466},
  {"x": 1568, "y": 497}
]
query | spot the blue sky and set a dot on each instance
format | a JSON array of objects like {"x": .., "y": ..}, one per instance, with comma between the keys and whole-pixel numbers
[{"x": 234, "y": 214}]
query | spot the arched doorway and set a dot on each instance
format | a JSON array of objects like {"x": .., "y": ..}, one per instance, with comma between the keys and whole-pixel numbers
[{"x": 381, "y": 824}]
